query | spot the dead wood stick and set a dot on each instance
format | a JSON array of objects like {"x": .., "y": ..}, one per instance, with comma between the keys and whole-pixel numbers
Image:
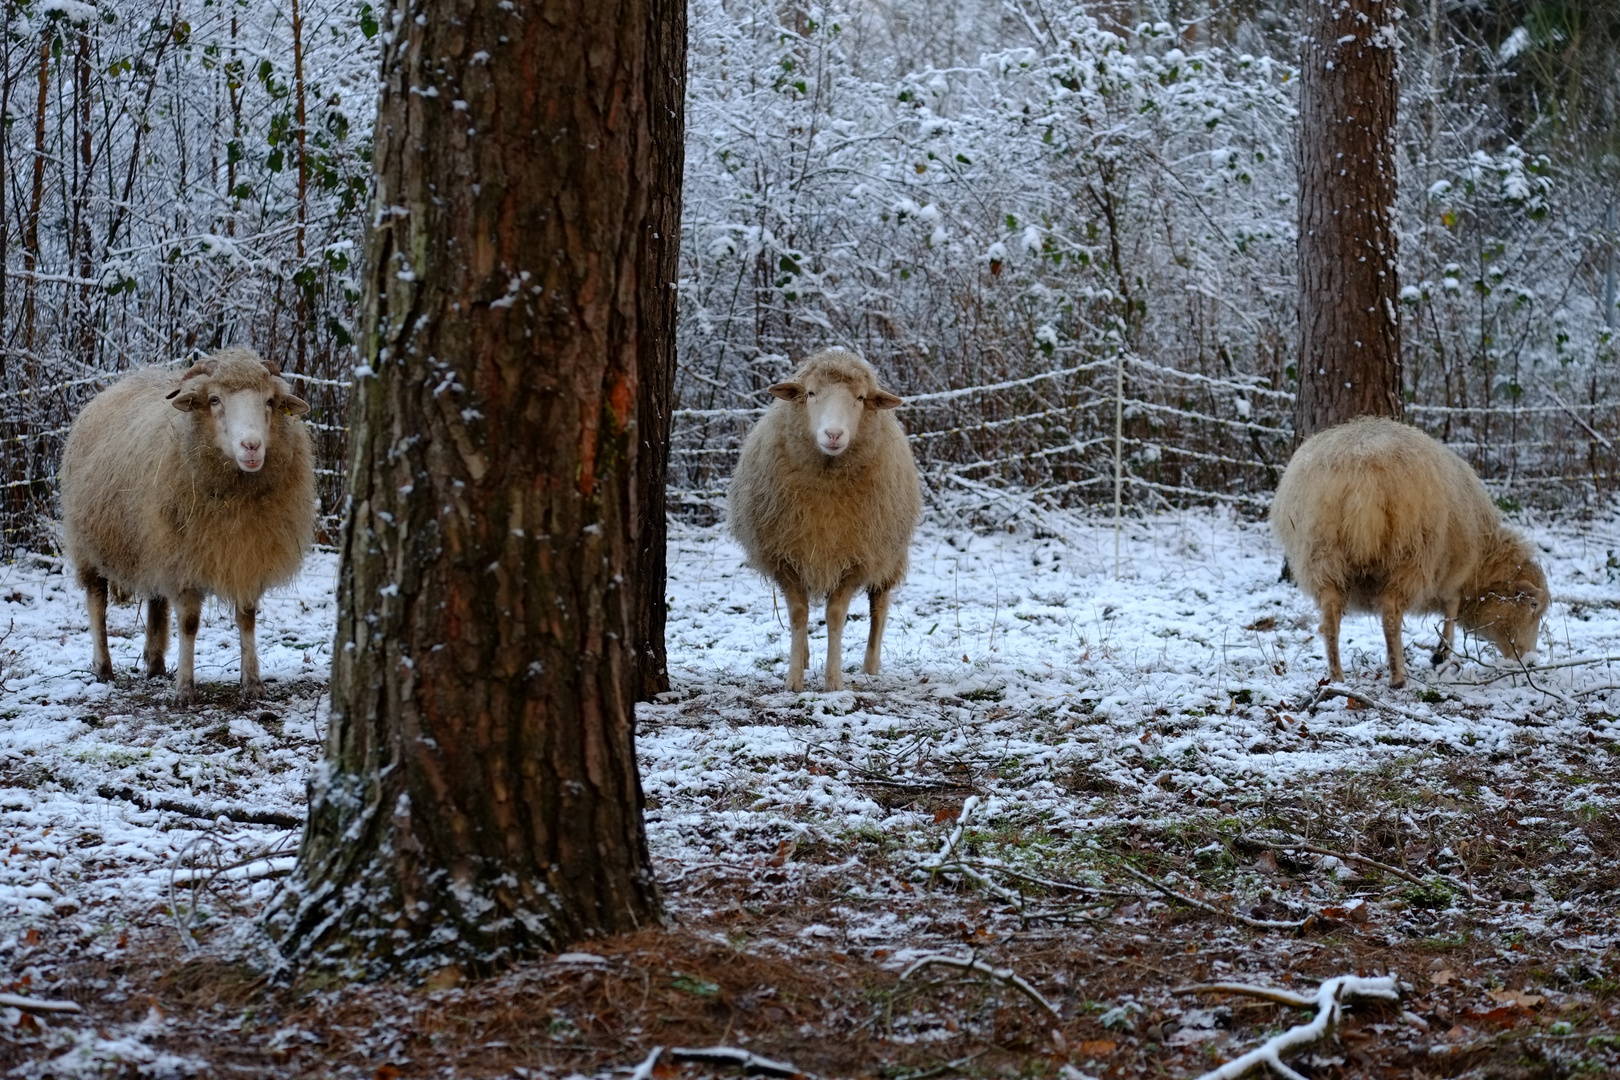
[
  {"x": 1281, "y": 997},
  {"x": 1329, "y": 1001},
  {"x": 750, "y": 1064},
  {"x": 38, "y": 1005},
  {"x": 1335, "y": 690},
  {"x": 1350, "y": 856},
  {"x": 1258, "y": 924},
  {"x": 644, "y": 1071},
  {"x": 1005, "y": 976}
]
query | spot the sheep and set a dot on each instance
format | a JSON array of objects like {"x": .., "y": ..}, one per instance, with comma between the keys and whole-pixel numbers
[
  {"x": 825, "y": 500},
  {"x": 180, "y": 486},
  {"x": 1376, "y": 516}
]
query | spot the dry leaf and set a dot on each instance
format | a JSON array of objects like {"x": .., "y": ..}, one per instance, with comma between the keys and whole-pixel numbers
[
  {"x": 1522, "y": 999},
  {"x": 1266, "y": 862},
  {"x": 1442, "y": 977},
  {"x": 1098, "y": 1047}
]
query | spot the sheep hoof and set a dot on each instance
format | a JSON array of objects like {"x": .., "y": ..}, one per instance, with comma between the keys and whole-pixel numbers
[
  {"x": 253, "y": 688},
  {"x": 156, "y": 670},
  {"x": 103, "y": 672},
  {"x": 186, "y": 694},
  {"x": 1396, "y": 684},
  {"x": 835, "y": 682}
]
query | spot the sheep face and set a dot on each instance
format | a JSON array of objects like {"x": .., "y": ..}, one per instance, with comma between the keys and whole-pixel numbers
[
  {"x": 1508, "y": 614},
  {"x": 833, "y": 408},
  {"x": 240, "y": 399}
]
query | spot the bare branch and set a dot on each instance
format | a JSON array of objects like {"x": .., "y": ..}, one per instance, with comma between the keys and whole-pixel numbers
[{"x": 1005, "y": 976}]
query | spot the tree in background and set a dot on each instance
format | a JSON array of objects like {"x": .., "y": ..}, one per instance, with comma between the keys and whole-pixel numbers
[
  {"x": 479, "y": 799},
  {"x": 1349, "y": 325}
]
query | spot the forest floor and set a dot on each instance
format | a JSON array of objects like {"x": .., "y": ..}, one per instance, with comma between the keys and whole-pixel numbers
[{"x": 1112, "y": 787}]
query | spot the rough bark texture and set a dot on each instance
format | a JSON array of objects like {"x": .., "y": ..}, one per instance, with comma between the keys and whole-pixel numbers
[
  {"x": 479, "y": 798},
  {"x": 660, "y": 265},
  {"x": 1349, "y": 350}
]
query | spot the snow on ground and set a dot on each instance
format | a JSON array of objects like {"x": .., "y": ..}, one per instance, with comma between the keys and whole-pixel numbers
[{"x": 1018, "y": 668}]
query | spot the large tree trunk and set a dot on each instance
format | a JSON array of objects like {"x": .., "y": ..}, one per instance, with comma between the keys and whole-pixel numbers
[
  {"x": 479, "y": 798},
  {"x": 1349, "y": 329}
]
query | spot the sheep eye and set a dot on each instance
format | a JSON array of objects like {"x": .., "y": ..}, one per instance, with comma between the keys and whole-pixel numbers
[{"x": 213, "y": 401}]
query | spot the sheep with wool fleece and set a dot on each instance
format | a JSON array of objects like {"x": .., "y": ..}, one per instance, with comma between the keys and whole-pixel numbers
[
  {"x": 179, "y": 486},
  {"x": 1374, "y": 515},
  {"x": 825, "y": 500}
]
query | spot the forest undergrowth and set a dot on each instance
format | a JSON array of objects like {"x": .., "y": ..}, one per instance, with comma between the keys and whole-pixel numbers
[{"x": 1069, "y": 798}]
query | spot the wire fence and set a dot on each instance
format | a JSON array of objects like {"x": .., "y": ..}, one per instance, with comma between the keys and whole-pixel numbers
[{"x": 1181, "y": 438}]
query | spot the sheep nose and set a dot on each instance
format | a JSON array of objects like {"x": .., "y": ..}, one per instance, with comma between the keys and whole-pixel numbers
[
  {"x": 1531, "y": 657},
  {"x": 833, "y": 435},
  {"x": 252, "y": 445}
]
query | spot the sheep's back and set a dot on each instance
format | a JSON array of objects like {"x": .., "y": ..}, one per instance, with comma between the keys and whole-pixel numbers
[
  {"x": 1375, "y": 504},
  {"x": 791, "y": 511}
]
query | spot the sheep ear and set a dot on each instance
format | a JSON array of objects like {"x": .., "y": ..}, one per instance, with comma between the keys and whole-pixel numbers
[
  {"x": 882, "y": 400},
  {"x": 788, "y": 391},
  {"x": 292, "y": 406},
  {"x": 185, "y": 402},
  {"x": 271, "y": 367}
]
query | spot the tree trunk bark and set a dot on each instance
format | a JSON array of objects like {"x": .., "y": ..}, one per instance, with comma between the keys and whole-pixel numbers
[
  {"x": 660, "y": 266},
  {"x": 479, "y": 799},
  {"x": 1349, "y": 296}
]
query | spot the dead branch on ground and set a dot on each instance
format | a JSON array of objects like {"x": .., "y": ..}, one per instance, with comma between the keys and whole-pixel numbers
[
  {"x": 1257, "y": 924},
  {"x": 1005, "y": 976},
  {"x": 1329, "y": 1002}
]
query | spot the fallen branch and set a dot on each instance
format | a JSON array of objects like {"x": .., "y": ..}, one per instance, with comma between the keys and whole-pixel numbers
[
  {"x": 750, "y": 1064},
  {"x": 644, "y": 1071},
  {"x": 1329, "y": 1002},
  {"x": 968, "y": 806},
  {"x": 1350, "y": 856},
  {"x": 1281, "y": 997},
  {"x": 240, "y": 814},
  {"x": 1335, "y": 690},
  {"x": 1005, "y": 976},
  {"x": 1257, "y": 924},
  {"x": 37, "y": 1005}
]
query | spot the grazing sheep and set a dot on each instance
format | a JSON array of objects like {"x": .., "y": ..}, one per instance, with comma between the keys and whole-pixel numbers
[
  {"x": 825, "y": 499},
  {"x": 178, "y": 486},
  {"x": 1376, "y": 516}
]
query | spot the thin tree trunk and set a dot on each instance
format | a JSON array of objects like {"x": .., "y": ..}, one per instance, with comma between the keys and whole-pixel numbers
[
  {"x": 81, "y": 209},
  {"x": 303, "y": 186},
  {"x": 1349, "y": 353},
  {"x": 660, "y": 265},
  {"x": 480, "y": 798},
  {"x": 36, "y": 199}
]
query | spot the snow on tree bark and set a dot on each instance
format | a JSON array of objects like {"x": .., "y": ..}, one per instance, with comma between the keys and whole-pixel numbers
[
  {"x": 479, "y": 799},
  {"x": 1349, "y": 352}
]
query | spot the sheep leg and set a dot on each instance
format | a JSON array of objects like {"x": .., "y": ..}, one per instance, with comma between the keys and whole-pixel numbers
[
  {"x": 837, "y": 612},
  {"x": 1332, "y": 611},
  {"x": 798, "y": 605},
  {"x": 1448, "y": 633},
  {"x": 185, "y": 681},
  {"x": 95, "y": 599},
  {"x": 878, "y": 599},
  {"x": 157, "y": 635},
  {"x": 252, "y": 685},
  {"x": 1393, "y": 610}
]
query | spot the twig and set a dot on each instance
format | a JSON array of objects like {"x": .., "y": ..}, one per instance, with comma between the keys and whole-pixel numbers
[
  {"x": 1329, "y": 1000},
  {"x": 949, "y": 1066},
  {"x": 1005, "y": 976},
  {"x": 1258, "y": 924},
  {"x": 968, "y": 806},
  {"x": 645, "y": 1070},
  {"x": 240, "y": 814},
  {"x": 1281, "y": 997},
  {"x": 1335, "y": 690},
  {"x": 1351, "y": 856},
  {"x": 38, "y": 1005},
  {"x": 750, "y": 1064}
]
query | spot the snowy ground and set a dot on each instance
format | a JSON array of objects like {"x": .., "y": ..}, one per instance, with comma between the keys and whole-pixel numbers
[{"x": 1040, "y": 721}]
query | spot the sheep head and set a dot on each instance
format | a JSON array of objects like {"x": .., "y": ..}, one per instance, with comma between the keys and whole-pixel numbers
[
  {"x": 835, "y": 390},
  {"x": 240, "y": 395},
  {"x": 1508, "y": 610}
]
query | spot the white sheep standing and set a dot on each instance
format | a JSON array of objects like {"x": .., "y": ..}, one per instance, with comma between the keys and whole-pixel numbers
[
  {"x": 177, "y": 486},
  {"x": 1375, "y": 515},
  {"x": 825, "y": 500}
]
